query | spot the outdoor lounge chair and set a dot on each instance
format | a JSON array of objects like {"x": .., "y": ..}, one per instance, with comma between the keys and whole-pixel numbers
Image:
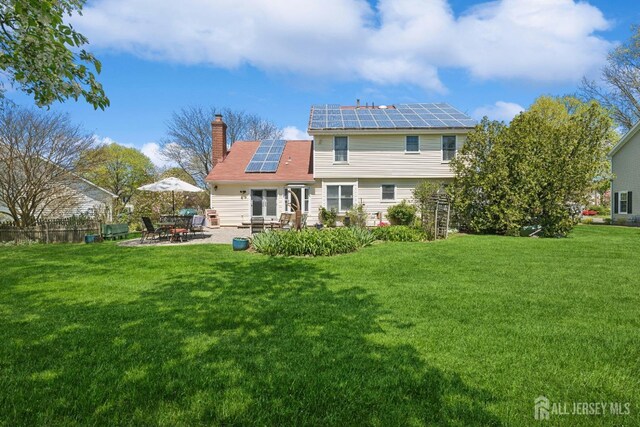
[
  {"x": 150, "y": 230},
  {"x": 257, "y": 224},
  {"x": 197, "y": 224}
]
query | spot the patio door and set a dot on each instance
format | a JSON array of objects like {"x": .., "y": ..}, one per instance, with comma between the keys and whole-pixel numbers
[
  {"x": 264, "y": 203},
  {"x": 303, "y": 197}
]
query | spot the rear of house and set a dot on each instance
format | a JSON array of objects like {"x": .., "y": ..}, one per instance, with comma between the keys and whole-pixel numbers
[
  {"x": 376, "y": 155},
  {"x": 625, "y": 186},
  {"x": 367, "y": 155}
]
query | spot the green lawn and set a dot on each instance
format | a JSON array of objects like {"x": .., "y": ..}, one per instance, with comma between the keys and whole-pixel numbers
[{"x": 467, "y": 331}]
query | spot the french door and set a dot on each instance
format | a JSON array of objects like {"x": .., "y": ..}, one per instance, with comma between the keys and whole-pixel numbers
[
  {"x": 303, "y": 196},
  {"x": 264, "y": 203}
]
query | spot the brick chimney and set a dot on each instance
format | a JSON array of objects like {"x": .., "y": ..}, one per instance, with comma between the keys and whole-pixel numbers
[{"x": 219, "y": 137}]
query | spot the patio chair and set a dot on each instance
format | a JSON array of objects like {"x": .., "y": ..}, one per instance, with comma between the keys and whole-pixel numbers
[
  {"x": 283, "y": 222},
  {"x": 257, "y": 224},
  {"x": 150, "y": 230},
  {"x": 181, "y": 227},
  {"x": 197, "y": 224}
]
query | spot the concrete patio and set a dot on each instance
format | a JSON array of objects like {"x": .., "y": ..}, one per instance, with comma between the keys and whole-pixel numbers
[{"x": 221, "y": 236}]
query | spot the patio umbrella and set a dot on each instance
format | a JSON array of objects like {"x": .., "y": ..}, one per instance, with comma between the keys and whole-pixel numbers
[{"x": 171, "y": 184}]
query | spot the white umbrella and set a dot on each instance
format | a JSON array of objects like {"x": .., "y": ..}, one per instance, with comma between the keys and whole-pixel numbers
[{"x": 171, "y": 184}]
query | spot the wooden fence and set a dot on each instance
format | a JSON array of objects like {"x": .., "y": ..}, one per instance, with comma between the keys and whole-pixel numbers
[{"x": 65, "y": 230}]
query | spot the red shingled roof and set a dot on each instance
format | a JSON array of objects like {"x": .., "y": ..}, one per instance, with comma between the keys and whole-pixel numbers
[{"x": 296, "y": 164}]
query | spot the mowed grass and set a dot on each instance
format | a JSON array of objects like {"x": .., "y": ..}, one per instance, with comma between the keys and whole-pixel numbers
[{"x": 463, "y": 332}]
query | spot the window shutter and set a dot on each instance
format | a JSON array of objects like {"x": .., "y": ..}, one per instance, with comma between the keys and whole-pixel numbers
[
  {"x": 629, "y": 202},
  {"x": 615, "y": 203}
]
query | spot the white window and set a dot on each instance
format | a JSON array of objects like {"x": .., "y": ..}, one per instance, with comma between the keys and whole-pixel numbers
[
  {"x": 623, "y": 202},
  {"x": 340, "y": 149},
  {"x": 412, "y": 144},
  {"x": 448, "y": 147},
  {"x": 388, "y": 192},
  {"x": 340, "y": 197}
]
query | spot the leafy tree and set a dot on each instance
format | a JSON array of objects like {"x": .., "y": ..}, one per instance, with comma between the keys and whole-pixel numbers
[
  {"x": 619, "y": 86},
  {"x": 536, "y": 171},
  {"x": 38, "y": 155},
  {"x": 118, "y": 169},
  {"x": 188, "y": 142},
  {"x": 42, "y": 54}
]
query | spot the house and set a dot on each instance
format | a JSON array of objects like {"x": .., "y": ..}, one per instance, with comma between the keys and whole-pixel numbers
[
  {"x": 83, "y": 198},
  {"x": 625, "y": 166},
  {"x": 374, "y": 155}
]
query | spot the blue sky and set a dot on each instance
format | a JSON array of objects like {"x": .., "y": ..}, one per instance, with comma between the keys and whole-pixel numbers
[{"x": 275, "y": 57}]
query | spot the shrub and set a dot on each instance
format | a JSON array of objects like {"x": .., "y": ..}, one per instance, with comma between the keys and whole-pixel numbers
[
  {"x": 587, "y": 220},
  {"x": 607, "y": 221},
  {"x": 364, "y": 236},
  {"x": 357, "y": 216},
  {"x": 399, "y": 233},
  {"x": 401, "y": 214},
  {"x": 601, "y": 210},
  {"x": 621, "y": 221},
  {"x": 312, "y": 242},
  {"x": 328, "y": 217},
  {"x": 537, "y": 167}
]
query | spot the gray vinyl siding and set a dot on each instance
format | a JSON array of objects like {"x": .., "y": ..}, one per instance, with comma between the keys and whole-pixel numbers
[{"x": 625, "y": 165}]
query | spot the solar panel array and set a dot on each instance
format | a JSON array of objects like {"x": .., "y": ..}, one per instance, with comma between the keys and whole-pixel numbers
[
  {"x": 267, "y": 156},
  {"x": 400, "y": 116}
]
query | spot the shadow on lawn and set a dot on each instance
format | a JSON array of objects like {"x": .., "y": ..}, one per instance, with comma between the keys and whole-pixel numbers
[{"x": 263, "y": 341}]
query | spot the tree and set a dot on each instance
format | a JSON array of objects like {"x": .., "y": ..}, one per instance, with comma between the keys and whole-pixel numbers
[
  {"x": 118, "y": 169},
  {"x": 42, "y": 54},
  {"x": 619, "y": 86},
  {"x": 38, "y": 154},
  {"x": 537, "y": 171},
  {"x": 188, "y": 141}
]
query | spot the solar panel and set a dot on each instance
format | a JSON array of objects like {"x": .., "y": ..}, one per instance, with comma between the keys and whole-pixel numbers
[
  {"x": 411, "y": 116},
  {"x": 267, "y": 156}
]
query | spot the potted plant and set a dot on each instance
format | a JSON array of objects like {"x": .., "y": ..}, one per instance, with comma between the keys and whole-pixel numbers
[{"x": 240, "y": 243}]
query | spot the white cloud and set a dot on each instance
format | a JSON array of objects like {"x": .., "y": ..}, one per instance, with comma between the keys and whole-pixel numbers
[
  {"x": 501, "y": 110},
  {"x": 293, "y": 133},
  {"x": 152, "y": 151},
  {"x": 395, "y": 42},
  {"x": 103, "y": 140}
]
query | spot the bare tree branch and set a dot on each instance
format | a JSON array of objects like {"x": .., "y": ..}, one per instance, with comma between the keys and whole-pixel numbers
[
  {"x": 38, "y": 154},
  {"x": 188, "y": 140},
  {"x": 619, "y": 87}
]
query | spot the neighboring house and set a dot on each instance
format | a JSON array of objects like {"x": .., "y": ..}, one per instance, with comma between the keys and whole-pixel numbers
[
  {"x": 359, "y": 154},
  {"x": 625, "y": 166},
  {"x": 86, "y": 198}
]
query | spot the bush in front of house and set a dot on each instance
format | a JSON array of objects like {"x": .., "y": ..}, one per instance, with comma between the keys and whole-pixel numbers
[
  {"x": 312, "y": 242},
  {"x": 599, "y": 209},
  {"x": 328, "y": 217},
  {"x": 357, "y": 216},
  {"x": 399, "y": 233},
  {"x": 401, "y": 214}
]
